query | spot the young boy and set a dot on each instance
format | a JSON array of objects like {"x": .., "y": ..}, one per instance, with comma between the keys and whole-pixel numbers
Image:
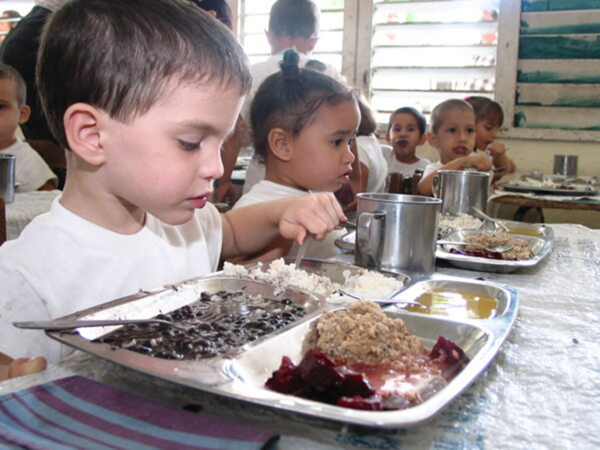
[
  {"x": 143, "y": 119},
  {"x": 489, "y": 118},
  {"x": 406, "y": 131},
  {"x": 453, "y": 135},
  {"x": 31, "y": 171}
]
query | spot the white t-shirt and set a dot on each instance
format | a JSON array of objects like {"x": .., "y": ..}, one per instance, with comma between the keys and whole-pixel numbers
[
  {"x": 260, "y": 72},
  {"x": 395, "y": 166},
  {"x": 61, "y": 263},
  {"x": 31, "y": 171},
  {"x": 267, "y": 190},
  {"x": 432, "y": 167},
  {"x": 371, "y": 155}
]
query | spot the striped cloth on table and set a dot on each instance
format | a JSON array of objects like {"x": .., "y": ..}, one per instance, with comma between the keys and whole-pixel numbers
[{"x": 76, "y": 412}]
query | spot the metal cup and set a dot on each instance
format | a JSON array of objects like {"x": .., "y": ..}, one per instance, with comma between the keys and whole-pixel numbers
[
  {"x": 565, "y": 165},
  {"x": 7, "y": 177},
  {"x": 461, "y": 190},
  {"x": 397, "y": 232}
]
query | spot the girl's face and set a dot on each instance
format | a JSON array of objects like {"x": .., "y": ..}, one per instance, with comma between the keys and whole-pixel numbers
[
  {"x": 404, "y": 136},
  {"x": 165, "y": 161},
  {"x": 320, "y": 157},
  {"x": 455, "y": 137},
  {"x": 486, "y": 131}
]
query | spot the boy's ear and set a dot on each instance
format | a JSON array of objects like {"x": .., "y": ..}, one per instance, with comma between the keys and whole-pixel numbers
[
  {"x": 387, "y": 138},
  {"x": 423, "y": 139},
  {"x": 83, "y": 132},
  {"x": 279, "y": 144},
  {"x": 430, "y": 137},
  {"x": 24, "y": 114}
]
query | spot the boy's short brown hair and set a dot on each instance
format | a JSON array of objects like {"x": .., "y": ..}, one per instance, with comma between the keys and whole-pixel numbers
[
  {"x": 442, "y": 108},
  {"x": 418, "y": 115},
  {"x": 486, "y": 109},
  {"x": 10, "y": 73},
  {"x": 294, "y": 18},
  {"x": 121, "y": 56}
]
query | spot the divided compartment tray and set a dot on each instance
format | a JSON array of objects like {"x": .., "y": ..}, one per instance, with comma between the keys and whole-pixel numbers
[{"x": 242, "y": 375}]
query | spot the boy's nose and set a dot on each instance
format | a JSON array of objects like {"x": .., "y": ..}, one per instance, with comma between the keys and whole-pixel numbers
[{"x": 212, "y": 165}]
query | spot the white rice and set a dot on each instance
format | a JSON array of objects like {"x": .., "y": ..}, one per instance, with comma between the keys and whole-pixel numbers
[
  {"x": 365, "y": 284},
  {"x": 464, "y": 221}
]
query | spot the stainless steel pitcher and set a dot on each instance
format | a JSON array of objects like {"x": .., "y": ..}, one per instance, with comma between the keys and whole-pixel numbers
[
  {"x": 460, "y": 190},
  {"x": 397, "y": 232},
  {"x": 7, "y": 177}
]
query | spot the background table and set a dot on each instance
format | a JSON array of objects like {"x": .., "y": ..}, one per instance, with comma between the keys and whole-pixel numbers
[{"x": 541, "y": 391}]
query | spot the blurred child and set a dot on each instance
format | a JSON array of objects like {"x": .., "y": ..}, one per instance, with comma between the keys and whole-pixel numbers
[
  {"x": 406, "y": 131},
  {"x": 144, "y": 138},
  {"x": 31, "y": 171},
  {"x": 453, "y": 135},
  {"x": 489, "y": 118},
  {"x": 372, "y": 163},
  {"x": 303, "y": 124}
]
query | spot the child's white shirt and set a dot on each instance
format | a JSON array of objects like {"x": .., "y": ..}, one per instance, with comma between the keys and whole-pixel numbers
[
  {"x": 31, "y": 171},
  {"x": 432, "y": 167},
  {"x": 266, "y": 191},
  {"x": 370, "y": 154},
  {"x": 395, "y": 166},
  {"x": 61, "y": 263}
]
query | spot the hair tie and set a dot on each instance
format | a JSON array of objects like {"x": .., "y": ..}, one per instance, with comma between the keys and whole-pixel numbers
[{"x": 289, "y": 65}]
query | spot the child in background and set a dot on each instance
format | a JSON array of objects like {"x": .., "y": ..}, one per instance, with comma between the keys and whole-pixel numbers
[
  {"x": 144, "y": 137},
  {"x": 303, "y": 124},
  {"x": 373, "y": 165},
  {"x": 489, "y": 118},
  {"x": 453, "y": 135},
  {"x": 406, "y": 131},
  {"x": 31, "y": 171}
]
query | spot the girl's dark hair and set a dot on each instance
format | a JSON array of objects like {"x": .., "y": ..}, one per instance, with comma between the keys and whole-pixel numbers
[
  {"x": 123, "y": 56},
  {"x": 486, "y": 109},
  {"x": 368, "y": 124},
  {"x": 418, "y": 115},
  {"x": 220, "y": 7},
  {"x": 290, "y": 99}
]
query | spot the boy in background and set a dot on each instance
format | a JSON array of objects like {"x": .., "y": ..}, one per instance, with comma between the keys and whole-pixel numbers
[
  {"x": 406, "y": 131},
  {"x": 144, "y": 137},
  {"x": 489, "y": 118},
  {"x": 31, "y": 171},
  {"x": 453, "y": 135}
]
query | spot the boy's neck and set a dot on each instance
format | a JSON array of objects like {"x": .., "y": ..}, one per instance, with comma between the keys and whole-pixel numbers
[{"x": 7, "y": 142}]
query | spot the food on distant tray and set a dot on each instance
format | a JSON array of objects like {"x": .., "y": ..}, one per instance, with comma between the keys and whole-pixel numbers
[
  {"x": 519, "y": 252},
  {"x": 464, "y": 221},
  {"x": 360, "y": 358},
  {"x": 549, "y": 183},
  {"x": 216, "y": 325},
  {"x": 455, "y": 304},
  {"x": 365, "y": 283}
]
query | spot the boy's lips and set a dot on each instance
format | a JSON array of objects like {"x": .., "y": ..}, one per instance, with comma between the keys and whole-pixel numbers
[
  {"x": 461, "y": 150},
  {"x": 345, "y": 177},
  {"x": 199, "y": 202},
  {"x": 402, "y": 142}
]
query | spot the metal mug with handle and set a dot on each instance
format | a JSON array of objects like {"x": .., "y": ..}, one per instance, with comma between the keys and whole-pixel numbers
[
  {"x": 7, "y": 177},
  {"x": 461, "y": 190},
  {"x": 397, "y": 232}
]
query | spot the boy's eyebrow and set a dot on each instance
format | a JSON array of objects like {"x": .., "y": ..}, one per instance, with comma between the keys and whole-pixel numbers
[{"x": 204, "y": 126}]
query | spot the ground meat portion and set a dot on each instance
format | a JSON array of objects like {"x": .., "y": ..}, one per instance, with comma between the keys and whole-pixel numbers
[
  {"x": 363, "y": 334},
  {"x": 519, "y": 252}
]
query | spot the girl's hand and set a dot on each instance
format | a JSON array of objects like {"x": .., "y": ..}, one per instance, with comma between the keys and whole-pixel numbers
[
  {"x": 314, "y": 213},
  {"x": 496, "y": 149}
]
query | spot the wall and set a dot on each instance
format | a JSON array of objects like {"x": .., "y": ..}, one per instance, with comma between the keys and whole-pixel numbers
[{"x": 539, "y": 155}]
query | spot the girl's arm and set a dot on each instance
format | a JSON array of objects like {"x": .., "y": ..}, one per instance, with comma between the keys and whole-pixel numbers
[{"x": 250, "y": 229}]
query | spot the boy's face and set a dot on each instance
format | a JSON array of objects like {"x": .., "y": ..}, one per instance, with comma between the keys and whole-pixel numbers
[
  {"x": 404, "y": 136},
  {"x": 321, "y": 155},
  {"x": 165, "y": 161},
  {"x": 456, "y": 135},
  {"x": 486, "y": 131},
  {"x": 11, "y": 114}
]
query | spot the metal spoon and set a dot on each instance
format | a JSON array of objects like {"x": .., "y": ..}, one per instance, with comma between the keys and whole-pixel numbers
[
  {"x": 302, "y": 250},
  {"x": 54, "y": 325},
  {"x": 491, "y": 219}
]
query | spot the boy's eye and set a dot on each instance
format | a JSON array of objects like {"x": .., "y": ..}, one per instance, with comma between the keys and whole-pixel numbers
[
  {"x": 452, "y": 130},
  {"x": 189, "y": 146},
  {"x": 470, "y": 130},
  {"x": 338, "y": 142}
]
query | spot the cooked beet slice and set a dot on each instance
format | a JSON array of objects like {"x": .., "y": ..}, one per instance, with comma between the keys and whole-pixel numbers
[
  {"x": 353, "y": 384},
  {"x": 319, "y": 371},
  {"x": 286, "y": 379}
]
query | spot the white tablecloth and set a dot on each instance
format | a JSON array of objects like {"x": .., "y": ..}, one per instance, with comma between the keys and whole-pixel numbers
[
  {"x": 25, "y": 207},
  {"x": 542, "y": 391}
]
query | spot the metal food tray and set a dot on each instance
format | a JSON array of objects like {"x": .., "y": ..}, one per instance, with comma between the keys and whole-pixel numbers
[
  {"x": 579, "y": 190},
  {"x": 242, "y": 375},
  {"x": 539, "y": 246}
]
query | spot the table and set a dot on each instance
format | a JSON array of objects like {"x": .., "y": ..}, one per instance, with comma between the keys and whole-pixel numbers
[
  {"x": 541, "y": 391},
  {"x": 526, "y": 203},
  {"x": 25, "y": 207}
]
